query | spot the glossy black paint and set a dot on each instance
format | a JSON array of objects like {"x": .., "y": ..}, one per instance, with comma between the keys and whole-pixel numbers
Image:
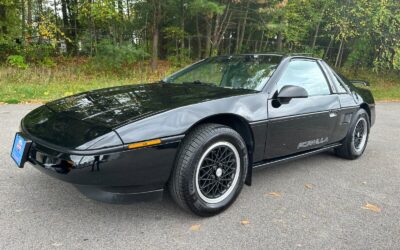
[
  {"x": 87, "y": 120},
  {"x": 83, "y": 138}
]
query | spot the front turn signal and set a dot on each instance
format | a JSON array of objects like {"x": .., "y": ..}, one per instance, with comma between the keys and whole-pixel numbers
[{"x": 144, "y": 144}]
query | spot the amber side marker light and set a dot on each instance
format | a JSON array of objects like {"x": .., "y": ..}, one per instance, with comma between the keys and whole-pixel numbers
[{"x": 144, "y": 144}]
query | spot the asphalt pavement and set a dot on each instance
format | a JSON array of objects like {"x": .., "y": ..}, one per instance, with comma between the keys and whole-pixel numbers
[{"x": 319, "y": 202}]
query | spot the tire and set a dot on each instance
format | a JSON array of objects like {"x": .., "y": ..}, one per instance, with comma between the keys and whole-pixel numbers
[
  {"x": 356, "y": 140},
  {"x": 201, "y": 183}
]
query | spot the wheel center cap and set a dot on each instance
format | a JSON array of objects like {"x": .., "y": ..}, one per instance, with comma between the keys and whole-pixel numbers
[{"x": 218, "y": 173}]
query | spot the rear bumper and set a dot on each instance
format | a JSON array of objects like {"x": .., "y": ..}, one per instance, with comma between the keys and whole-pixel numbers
[{"x": 137, "y": 171}]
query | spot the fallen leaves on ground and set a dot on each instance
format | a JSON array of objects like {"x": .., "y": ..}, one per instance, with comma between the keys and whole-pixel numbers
[
  {"x": 244, "y": 222},
  {"x": 195, "y": 227},
  {"x": 372, "y": 207},
  {"x": 309, "y": 186},
  {"x": 275, "y": 194}
]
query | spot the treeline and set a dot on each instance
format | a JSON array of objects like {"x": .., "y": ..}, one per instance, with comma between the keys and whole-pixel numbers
[{"x": 353, "y": 33}]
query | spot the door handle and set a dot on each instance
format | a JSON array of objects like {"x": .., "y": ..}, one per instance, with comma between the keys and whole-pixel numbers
[{"x": 333, "y": 113}]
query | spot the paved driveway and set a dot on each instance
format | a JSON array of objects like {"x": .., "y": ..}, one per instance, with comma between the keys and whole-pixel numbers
[{"x": 317, "y": 204}]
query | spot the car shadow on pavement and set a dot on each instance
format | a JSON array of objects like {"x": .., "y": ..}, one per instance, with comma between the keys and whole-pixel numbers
[{"x": 63, "y": 198}]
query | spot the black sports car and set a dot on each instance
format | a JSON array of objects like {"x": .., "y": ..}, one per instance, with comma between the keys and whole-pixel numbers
[{"x": 200, "y": 131}]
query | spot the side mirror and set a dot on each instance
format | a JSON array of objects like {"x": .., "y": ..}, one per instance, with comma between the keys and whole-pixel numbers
[
  {"x": 360, "y": 82},
  {"x": 288, "y": 92}
]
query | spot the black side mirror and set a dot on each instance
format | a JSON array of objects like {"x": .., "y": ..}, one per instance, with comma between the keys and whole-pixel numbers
[
  {"x": 288, "y": 92},
  {"x": 360, "y": 82}
]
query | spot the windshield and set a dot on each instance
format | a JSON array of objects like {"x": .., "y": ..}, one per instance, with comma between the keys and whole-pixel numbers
[{"x": 236, "y": 72}]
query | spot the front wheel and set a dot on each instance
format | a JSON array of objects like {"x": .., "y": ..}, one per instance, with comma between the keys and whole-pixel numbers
[
  {"x": 210, "y": 169},
  {"x": 357, "y": 137}
]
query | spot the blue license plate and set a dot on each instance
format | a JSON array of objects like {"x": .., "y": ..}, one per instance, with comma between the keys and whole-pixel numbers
[{"x": 20, "y": 149}]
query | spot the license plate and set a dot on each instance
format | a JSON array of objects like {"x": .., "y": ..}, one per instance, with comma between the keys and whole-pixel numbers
[{"x": 20, "y": 148}]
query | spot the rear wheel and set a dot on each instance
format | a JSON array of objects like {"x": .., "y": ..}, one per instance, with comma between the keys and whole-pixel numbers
[
  {"x": 210, "y": 170},
  {"x": 357, "y": 137}
]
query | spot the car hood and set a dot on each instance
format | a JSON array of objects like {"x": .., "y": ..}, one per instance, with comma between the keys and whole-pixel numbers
[
  {"x": 87, "y": 120},
  {"x": 113, "y": 107}
]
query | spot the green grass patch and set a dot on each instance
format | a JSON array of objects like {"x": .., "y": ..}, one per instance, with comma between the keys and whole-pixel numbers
[
  {"x": 41, "y": 84},
  {"x": 385, "y": 86}
]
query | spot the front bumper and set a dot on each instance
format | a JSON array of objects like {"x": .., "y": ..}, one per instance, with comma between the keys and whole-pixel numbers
[{"x": 137, "y": 171}]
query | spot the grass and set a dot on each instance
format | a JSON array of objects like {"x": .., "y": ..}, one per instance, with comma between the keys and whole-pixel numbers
[
  {"x": 41, "y": 84},
  {"x": 384, "y": 86}
]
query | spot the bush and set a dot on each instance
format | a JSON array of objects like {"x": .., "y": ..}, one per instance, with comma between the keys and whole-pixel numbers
[
  {"x": 179, "y": 61},
  {"x": 37, "y": 53},
  {"x": 47, "y": 62},
  {"x": 110, "y": 56},
  {"x": 360, "y": 55},
  {"x": 17, "y": 61},
  {"x": 7, "y": 49}
]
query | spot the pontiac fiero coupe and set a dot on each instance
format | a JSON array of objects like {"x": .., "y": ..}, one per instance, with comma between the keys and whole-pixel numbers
[{"x": 198, "y": 133}]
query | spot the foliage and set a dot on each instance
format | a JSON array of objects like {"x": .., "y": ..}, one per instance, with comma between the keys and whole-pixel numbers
[
  {"x": 37, "y": 53},
  {"x": 361, "y": 55},
  {"x": 9, "y": 21},
  {"x": 117, "y": 33},
  {"x": 110, "y": 56},
  {"x": 17, "y": 61},
  {"x": 47, "y": 62},
  {"x": 179, "y": 60}
]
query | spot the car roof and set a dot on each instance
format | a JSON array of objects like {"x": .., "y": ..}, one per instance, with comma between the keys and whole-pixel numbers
[{"x": 283, "y": 55}]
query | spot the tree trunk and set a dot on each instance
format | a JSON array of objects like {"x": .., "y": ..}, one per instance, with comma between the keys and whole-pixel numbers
[
  {"x": 23, "y": 18},
  {"x": 316, "y": 35},
  {"x": 341, "y": 55},
  {"x": 279, "y": 41},
  {"x": 248, "y": 40},
  {"x": 243, "y": 27},
  {"x": 3, "y": 18},
  {"x": 120, "y": 9},
  {"x": 154, "y": 60},
  {"x": 266, "y": 44},
  {"x": 91, "y": 28},
  {"x": 40, "y": 12},
  {"x": 65, "y": 23},
  {"x": 29, "y": 18},
  {"x": 238, "y": 32},
  {"x": 261, "y": 42},
  {"x": 207, "y": 53},
  {"x": 328, "y": 49},
  {"x": 74, "y": 15},
  {"x": 56, "y": 18},
  {"x": 198, "y": 38},
  {"x": 182, "y": 28},
  {"x": 338, "y": 54},
  {"x": 121, "y": 23},
  {"x": 156, "y": 23},
  {"x": 128, "y": 11},
  {"x": 222, "y": 28}
]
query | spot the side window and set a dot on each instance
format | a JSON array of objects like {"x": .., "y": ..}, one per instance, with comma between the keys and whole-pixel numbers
[
  {"x": 306, "y": 74},
  {"x": 337, "y": 81}
]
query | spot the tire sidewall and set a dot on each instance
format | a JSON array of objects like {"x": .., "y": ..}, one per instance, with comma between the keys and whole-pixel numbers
[
  {"x": 195, "y": 200},
  {"x": 360, "y": 114}
]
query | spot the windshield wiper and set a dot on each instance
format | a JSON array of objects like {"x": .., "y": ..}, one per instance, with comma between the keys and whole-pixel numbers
[{"x": 202, "y": 83}]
